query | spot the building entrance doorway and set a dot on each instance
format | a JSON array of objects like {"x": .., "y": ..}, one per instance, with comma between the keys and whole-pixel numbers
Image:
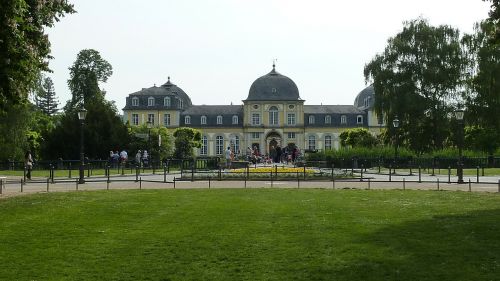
[{"x": 273, "y": 140}]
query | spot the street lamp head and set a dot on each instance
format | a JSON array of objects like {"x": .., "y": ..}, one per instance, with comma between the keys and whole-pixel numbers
[
  {"x": 395, "y": 122},
  {"x": 82, "y": 113},
  {"x": 149, "y": 124},
  {"x": 459, "y": 114}
]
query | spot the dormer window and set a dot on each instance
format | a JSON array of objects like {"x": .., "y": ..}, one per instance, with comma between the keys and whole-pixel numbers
[
  {"x": 203, "y": 120},
  {"x": 343, "y": 119},
  {"x": 274, "y": 90},
  {"x": 135, "y": 101},
  {"x": 187, "y": 120},
  {"x": 219, "y": 120},
  {"x": 311, "y": 119},
  {"x": 328, "y": 119},
  {"x": 235, "y": 120},
  {"x": 151, "y": 101},
  {"x": 359, "y": 119},
  {"x": 166, "y": 101}
]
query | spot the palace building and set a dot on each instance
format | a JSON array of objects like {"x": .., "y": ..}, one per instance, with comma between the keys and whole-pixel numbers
[{"x": 273, "y": 114}]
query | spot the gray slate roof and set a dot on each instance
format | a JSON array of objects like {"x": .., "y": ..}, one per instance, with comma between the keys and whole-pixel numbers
[
  {"x": 273, "y": 87},
  {"x": 167, "y": 89},
  {"x": 359, "y": 102},
  {"x": 332, "y": 109},
  {"x": 214, "y": 110}
]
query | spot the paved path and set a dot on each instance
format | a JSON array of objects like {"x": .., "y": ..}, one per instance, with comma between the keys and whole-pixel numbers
[{"x": 149, "y": 181}]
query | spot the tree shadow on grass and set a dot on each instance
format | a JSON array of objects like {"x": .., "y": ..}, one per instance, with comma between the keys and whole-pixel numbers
[{"x": 456, "y": 247}]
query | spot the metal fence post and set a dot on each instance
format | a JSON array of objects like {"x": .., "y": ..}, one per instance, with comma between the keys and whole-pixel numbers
[
  {"x": 390, "y": 172},
  {"x": 137, "y": 171},
  {"x": 438, "y": 183},
  {"x": 362, "y": 166},
  {"x": 477, "y": 174},
  {"x": 1, "y": 186},
  {"x": 470, "y": 187},
  {"x": 69, "y": 171},
  {"x": 140, "y": 183},
  {"x": 164, "y": 174},
  {"x": 404, "y": 184},
  {"x": 498, "y": 186},
  {"x": 48, "y": 182},
  {"x": 369, "y": 184},
  {"x": 22, "y": 185}
]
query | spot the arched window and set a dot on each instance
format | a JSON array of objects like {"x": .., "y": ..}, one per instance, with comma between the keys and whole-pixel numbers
[
  {"x": 204, "y": 146},
  {"x": 187, "y": 120},
  {"x": 166, "y": 101},
  {"x": 273, "y": 115},
  {"x": 343, "y": 119},
  {"x": 219, "y": 145},
  {"x": 312, "y": 142},
  {"x": 151, "y": 101},
  {"x": 328, "y": 142},
  {"x": 219, "y": 120},
  {"x": 135, "y": 101},
  {"x": 311, "y": 119},
  {"x": 359, "y": 119},
  {"x": 235, "y": 119},
  {"x": 328, "y": 119},
  {"x": 203, "y": 120}
]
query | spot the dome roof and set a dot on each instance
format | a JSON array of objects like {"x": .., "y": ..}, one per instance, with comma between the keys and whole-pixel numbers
[
  {"x": 273, "y": 87},
  {"x": 366, "y": 98},
  {"x": 171, "y": 88}
]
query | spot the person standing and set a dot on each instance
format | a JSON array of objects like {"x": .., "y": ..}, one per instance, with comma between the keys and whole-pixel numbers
[
  {"x": 28, "y": 163},
  {"x": 138, "y": 158},
  {"x": 228, "y": 157}
]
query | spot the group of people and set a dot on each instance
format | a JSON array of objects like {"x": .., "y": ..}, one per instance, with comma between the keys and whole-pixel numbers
[
  {"x": 275, "y": 155},
  {"x": 142, "y": 158}
]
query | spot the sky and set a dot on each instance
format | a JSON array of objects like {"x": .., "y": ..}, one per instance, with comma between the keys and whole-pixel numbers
[{"x": 214, "y": 50}]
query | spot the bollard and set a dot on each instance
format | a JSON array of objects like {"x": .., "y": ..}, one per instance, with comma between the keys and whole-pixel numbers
[
  {"x": 449, "y": 174},
  {"x": 477, "y": 174},
  {"x": 404, "y": 184},
  {"x": 419, "y": 174},
  {"x": 164, "y": 174},
  {"x": 140, "y": 183},
  {"x": 438, "y": 183},
  {"x": 470, "y": 188}
]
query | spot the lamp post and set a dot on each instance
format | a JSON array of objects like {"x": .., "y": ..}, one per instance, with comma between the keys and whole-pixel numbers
[
  {"x": 395, "y": 123},
  {"x": 459, "y": 115},
  {"x": 82, "y": 114},
  {"x": 150, "y": 125}
]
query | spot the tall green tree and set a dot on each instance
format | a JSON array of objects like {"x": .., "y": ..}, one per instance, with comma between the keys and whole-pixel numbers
[
  {"x": 483, "y": 81},
  {"x": 104, "y": 129},
  {"x": 358, "y": 137},
  {"x": 186, "y": 139},
  {"x": 495, "y": 20},
  {"x": 24, "y": 45},
  {"x": 45, "y": 97},
  {"x": 86, "y": 73},
  {"x": 418, "y": 78}
]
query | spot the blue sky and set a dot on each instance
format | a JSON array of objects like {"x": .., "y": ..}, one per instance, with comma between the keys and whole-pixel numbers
[{"x": 214, "y": 50}]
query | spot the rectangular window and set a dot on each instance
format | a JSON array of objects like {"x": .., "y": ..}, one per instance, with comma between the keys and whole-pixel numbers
[
  {"x": 291, "y": 135},
  {"x": 166, "y": 120},
  {"x": 135, "y": 102},
  {"x": 328, "y": 142},
  {"x": 255, "y": 135},
  {"x": 151, "y": 118},
  {"x": 135, "y": 119},
  {"x": 151, "y": 101},
  {"x": 204, "y": 146},
  {"x": 312, "y": 143},
  {"x": 343, "y": 119},
  {"x": 360, "y": 119},
  {"x": 255, "y": 119},
  {"x": 291, "y": 119}
]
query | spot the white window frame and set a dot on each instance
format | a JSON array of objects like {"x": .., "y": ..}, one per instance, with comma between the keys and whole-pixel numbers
[
  {"x": 359, "y": 119},
  {"x": 167, "y": 101},
  {"x": 166, "y": 119},
  {"x": 151, "y": 118},
  {"x": 291, "y": 118},
  {"x": 187, "y": 120},
  {"x": 235, "y": 119},
  {"x": 291, "y": 135},
  {"x": 343, "y": 119},
  {"x": 135, "y": 101},
  {"x": 255, "y": 119},
  {"x": 311, "y": 119},
  {"x": 328, "y": 119},
  {"x": 151, "y": 101},
  {"x": 255, "y": 135},
  {"x": 135, "y": 119},
  {"x": 328, "y": 142},
  {"x": 181, "y": 104},
  {"x": 203, "y": 120},
  {"x": 219, "y": 145},
  {"x": 273, "y": 116},
  {"x": 219, "y": 119},
  {"x": 311, "y": 142}
]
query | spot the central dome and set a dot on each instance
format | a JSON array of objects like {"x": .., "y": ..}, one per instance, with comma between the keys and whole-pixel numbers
[{"x": 273, "y": 87}]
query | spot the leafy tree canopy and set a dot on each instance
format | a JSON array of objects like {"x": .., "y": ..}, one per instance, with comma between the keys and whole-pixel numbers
[
  {"x": 359, "y": 137},
  {"x": 186, "y": 139},
  {"x": 24, "y": 45}
]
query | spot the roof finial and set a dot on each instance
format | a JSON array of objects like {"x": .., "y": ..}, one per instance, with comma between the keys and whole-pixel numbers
[
  {"x": 274, "y": 63},
  {"x": 168, "y": 78}
]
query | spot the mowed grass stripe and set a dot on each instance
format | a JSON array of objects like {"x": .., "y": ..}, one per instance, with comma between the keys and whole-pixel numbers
[{"x": 253, "y": 234}]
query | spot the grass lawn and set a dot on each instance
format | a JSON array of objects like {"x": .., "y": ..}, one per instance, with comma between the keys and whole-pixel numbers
[
  {"x": 467, "y": 172},
  {"x": 250, "y": 234}
]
